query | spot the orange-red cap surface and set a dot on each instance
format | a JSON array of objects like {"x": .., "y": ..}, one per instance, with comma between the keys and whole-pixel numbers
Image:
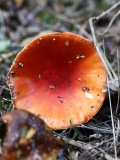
[{"x": 60, "y": 77}]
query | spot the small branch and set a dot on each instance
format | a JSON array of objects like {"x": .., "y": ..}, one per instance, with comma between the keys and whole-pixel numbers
[
  {"x": 106, "y": 12},
  {"x": 118, "y": 82},
  {"x": 72, "y": 21},
  {"x": 5, "y": 56},
  {"x": 113, "y": 83},
  {"x": 4, "y": 88},
  {"x": 87, "y": 147},
  {"x": 112, "y": 122},
  {"x": 106, "y": 156},
  {"x": 111, "y": 22},
  {"x": 28, "y": 19},
  {"x": 103, "y": 131},
  {"x": 91, "y": 20},
  {"x": 78, "y": 144}
]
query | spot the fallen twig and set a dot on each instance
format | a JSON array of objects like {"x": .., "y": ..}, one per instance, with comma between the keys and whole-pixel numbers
[
  {"x": 87, "y": 147},
  {"x": 5, "y": 56},
  {"x": 106, "y": 12},
  {"x": 113, "y": 77},
  {"x": 100, "y": 130}
]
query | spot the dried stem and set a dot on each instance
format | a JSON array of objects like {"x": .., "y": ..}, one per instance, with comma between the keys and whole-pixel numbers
[
  {"x": 118, "y": 82},
  {"x": 72, "y": 21},
  {"x": 87, "y": 147},
  {"x": 100, "y": 130},
  {"x": 91, "y": 21},
  {"x": 111, "y": 22},
  {"x": 112, "y": 121},
  {"x": 28, "y": 19},
  {"x": 106, "y": 12},
  {"x": 112, "y": 75},
  {"x": 5, "y": 56}
]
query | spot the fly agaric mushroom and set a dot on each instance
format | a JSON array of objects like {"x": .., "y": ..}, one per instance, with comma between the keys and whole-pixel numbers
[
  {"x": 27, "y": 137},
  {"x": 60, "y": 77}
]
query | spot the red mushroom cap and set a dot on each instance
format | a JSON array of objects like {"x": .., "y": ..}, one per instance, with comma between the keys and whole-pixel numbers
[{"x": 60, "y": 77}]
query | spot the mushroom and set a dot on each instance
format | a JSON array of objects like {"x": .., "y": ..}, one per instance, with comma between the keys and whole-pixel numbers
[
  {"x": 60, "y": 77},
  {"x": 27, "y": 137}
]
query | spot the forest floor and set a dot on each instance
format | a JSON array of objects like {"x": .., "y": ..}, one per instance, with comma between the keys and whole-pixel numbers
[{"x": 22, "y": 21}]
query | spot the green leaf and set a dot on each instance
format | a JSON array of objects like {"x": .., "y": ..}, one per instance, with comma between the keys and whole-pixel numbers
[{"x": 4, "y": 45}]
